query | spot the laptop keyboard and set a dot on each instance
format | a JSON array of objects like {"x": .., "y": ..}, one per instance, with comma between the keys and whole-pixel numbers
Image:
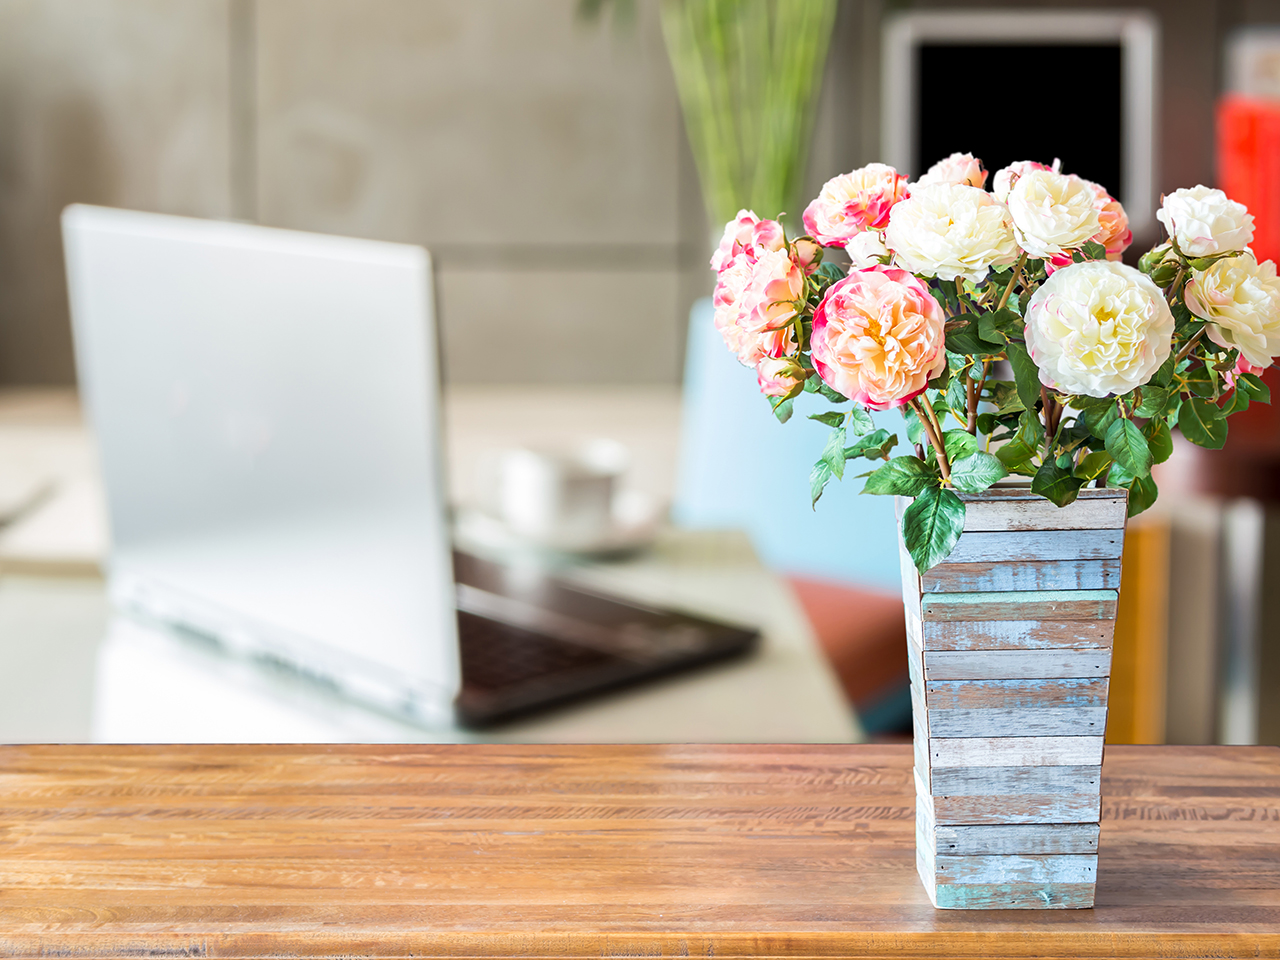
[{"x": 497, "y": 655}]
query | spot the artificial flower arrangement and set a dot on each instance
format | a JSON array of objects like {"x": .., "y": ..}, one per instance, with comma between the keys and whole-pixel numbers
[{"x": 949, "y": 285}]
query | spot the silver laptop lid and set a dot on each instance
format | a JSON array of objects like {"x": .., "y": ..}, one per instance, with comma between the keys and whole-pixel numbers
[{"x": 267, "y": 414}]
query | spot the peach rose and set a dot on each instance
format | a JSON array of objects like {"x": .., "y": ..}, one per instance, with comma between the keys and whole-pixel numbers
[
  {"x": 780, "y": 377},
  {"x": 957, "y": 168},
  {"x": 878, "y": 337},
  {"x": 853, "y": 202},
  {"x": 747, "y": 234}
]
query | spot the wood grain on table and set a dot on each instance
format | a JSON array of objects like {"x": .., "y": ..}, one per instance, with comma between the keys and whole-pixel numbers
[{"x": 593, "y": 851}]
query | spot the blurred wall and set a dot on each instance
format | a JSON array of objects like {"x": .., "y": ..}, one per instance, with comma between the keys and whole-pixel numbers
[{"x": 542, "y": 160}]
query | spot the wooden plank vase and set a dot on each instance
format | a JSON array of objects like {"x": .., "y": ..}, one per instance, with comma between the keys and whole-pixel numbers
[{"x": 1009, "y": 642}]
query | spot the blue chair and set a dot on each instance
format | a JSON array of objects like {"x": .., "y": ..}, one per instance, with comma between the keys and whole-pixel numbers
[{"x": 740, "y": 468}]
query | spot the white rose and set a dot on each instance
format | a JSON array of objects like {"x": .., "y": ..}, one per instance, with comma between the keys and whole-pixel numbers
[
  {"x": 1204, "y": 222},
  {"x": 1006, "y": 177},
  {"x": 866, "y": 248},
  {"x": 1098, "y": 328},
  {"x": 950, "y": 230},
  {"x": 1241, "y": 300},
  {"x": 1052, "y": 212},
  {"x": 957, "y": 168}
]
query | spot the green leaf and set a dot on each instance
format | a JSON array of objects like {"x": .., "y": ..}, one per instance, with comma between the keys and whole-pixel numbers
[
  {"x": 931, "y": 525},
  {"x": 1142, "y": 494},
  {"x": 1154, "y": 399},
  {"x": 832, "y": 418},
  {"x": 915, "y": 429},
  {"x": 833, "y": 452},
  {"x": 1164, "y": 375},
  {"x": 967, "y": 341},
  {"x": 1025, "y": 373},
  {"x": 959, "y": 444},
  {"x": 1055, "y": 484},
  {"x": 902, "y": 476},
  {"x": 819, "y": 476},
  {"x": 830, "y": 394},
  {"x": 781, "y": 408},
  {"x": 874, "y": 446},
  {"x": 860, "y": 421},
  {"x": 1238, "y": 402},
  {"x": 1005, "y": 396},
  {"x": 1099, "y": 419},
  {"x": 1203, "y": 423},
  {"x": 1128, "y": 447},
  {"x": 957, "y": 398},
  {"x": 1092, "y": 465},
  {"x": 976, "y": 472},
  {"x": 1256, "y": 388},
  {"x": 1025, "y": 442},
  {"x": 1094, "y": 250},
  {"x": 830, "y": 272},
  {"x": 1159, "y": 440}
]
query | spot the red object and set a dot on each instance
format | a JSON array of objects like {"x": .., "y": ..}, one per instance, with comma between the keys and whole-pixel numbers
[{"x": 1249, "y": 165}]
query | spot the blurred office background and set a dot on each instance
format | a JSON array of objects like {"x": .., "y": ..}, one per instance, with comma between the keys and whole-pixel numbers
[{"x": 542, "y": 159}]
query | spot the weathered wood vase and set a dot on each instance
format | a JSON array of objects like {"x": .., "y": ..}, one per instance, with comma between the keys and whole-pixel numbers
[{"x": 1009, "y": 642}]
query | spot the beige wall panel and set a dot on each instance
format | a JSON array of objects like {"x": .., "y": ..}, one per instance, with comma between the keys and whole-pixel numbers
[
  {"x": 493, "y": 121},
  {"x": 119, "y": 102},
  {"x": 558, "y": 327}
]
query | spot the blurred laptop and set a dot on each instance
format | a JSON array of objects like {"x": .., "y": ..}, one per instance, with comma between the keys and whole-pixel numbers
[{"x": 266, "y": 407}]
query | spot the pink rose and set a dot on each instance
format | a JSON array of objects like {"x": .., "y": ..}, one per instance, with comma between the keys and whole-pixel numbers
[
  {"x": 1006, "y": 177},
  {"x": 957, "y": 168},
  {"x": 807, "y": 254},
  {"x": 755, "y": 303},
  {"x": 747, "y": 234},
  {"x": 878, "y": 337},
  {"x": 1242, "y": 366},
  {"x": 780, "y": 377},
  {"x": 853, "y": 202}
]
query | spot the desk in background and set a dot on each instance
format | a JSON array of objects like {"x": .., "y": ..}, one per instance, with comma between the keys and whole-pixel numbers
[{"x": 61, "y": 681}]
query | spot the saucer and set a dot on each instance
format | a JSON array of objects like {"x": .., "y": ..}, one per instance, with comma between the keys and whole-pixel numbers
[{"x": 634, "y": 525}]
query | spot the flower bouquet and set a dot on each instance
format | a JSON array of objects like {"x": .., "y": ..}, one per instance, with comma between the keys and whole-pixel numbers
[{"x": 1004, "y": 326}]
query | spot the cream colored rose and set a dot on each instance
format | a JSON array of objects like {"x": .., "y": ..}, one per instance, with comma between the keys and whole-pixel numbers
[
  {"x": 1006, "y": 177},
  {"x": 950, "y": 230},
  {"x": 1204, "y": 222},
  {"x": 866, "y": 248},
  {"x": 1098, "y": 328},
  {"x": 1052, "y": 212},
  {"x": 957, "y": 168},
  {"x": 1241, "y": 300}
]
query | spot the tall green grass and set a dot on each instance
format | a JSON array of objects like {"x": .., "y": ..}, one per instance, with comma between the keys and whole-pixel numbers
[{"x": 748, "y": 74}]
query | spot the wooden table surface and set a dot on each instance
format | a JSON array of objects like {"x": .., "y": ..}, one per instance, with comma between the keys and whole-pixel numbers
[{"x": 593, "y": 851}]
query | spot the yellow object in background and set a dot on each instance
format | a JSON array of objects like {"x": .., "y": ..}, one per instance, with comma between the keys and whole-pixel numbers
[{"x": 1139, "y": 660}]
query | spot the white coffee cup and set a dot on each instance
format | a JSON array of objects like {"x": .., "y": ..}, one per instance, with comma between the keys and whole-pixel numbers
[{"x": 560, "y": 497}]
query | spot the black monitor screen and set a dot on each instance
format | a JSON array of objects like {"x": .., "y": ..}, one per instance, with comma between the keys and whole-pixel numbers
[{"x": 1032, "y": 102}]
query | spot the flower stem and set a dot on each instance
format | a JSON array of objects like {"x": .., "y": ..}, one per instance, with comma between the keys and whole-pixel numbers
[
  {"x": 1172, "y": 292},
  {"x": 1189, "y": 345},
  {"x": 934, "y": 434},
  {"x": 1017, "y": 273}
]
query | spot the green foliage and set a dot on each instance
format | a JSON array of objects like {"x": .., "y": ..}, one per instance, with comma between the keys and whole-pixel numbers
[
  {"x": 874, "y": 446},
  {"x": 781, "y": 408},
  {"x": 1056, "y": 483},
  {"x": 1203, "y": 423},
  {"x": 976, "y": 472},
  {"x": 1159, "y": 440},
  {"x": 1128, "y": 447},
  {"x": 819, "y": 477},
  {"x": 833, "y": 452},
  {"x": 959, "y": 444},
  {"x": 931, "y": 525},
  {"x": 1025, "y": 373},
  {"x": 902, "y": 477},
  {"x": 860, "y": 421},
  {"x": 832, "y": 418},
  {"x": 1024, "y": 444}
]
